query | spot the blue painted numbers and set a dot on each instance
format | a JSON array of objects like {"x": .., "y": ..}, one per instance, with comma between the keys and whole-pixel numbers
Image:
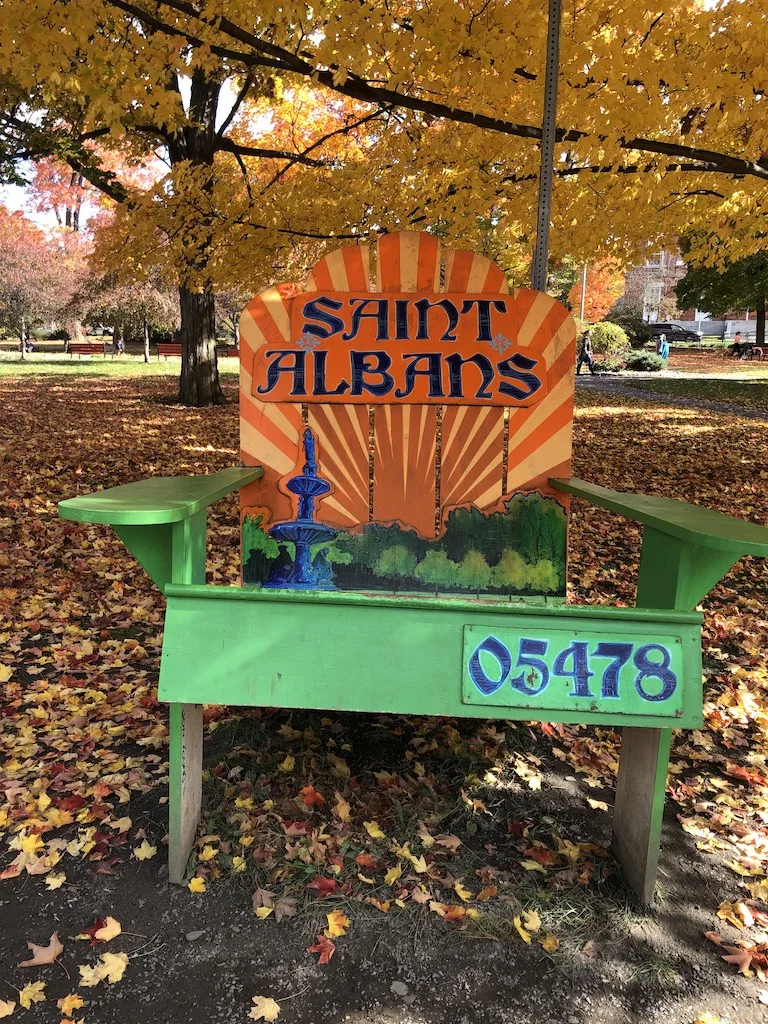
[{"x": 534, "y": 664}]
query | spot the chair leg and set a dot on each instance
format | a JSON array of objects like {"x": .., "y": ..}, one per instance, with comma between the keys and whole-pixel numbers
[
  {"x": 639, "y": 807},
  {"x": 185, "y": 785}
]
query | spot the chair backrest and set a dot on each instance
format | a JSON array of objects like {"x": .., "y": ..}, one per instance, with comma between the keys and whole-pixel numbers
[{"x": 408, "y": 410}]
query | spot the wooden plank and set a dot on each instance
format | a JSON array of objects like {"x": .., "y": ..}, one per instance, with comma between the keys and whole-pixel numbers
[
  {"x": 346, "y": 659},
  {"x": 638, "y": 810},
  {"x": 691, "y": 523},
  {"x": 185, "y": 785},
  {"x": 160, "y": 499}
]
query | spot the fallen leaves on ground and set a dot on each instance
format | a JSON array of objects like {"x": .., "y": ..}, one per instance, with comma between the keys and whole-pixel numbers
[
  {"x": 42, "y": 955},
  {"x": 34, "y": 992},
  {"x": 110, "y": 968},
  {"x": 264, "y": 1008},
  {"x": 380, "y": 813}
]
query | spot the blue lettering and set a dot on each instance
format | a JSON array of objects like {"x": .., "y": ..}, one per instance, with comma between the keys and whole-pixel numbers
[
  {"x": 380, "y": 315},
  {"x": 423, "y": 307},
  {"x": 320, "y": 385},
  {"x": 433, "y": 371},
  {"x": 455, "y": 364},
  {"x": 523, "y": 363},
  {"x": 477, "y": 674},
  {"x": 361, "y": 367},
  {"x": 296, "y": 366},
  {"x": 484, "y": 332},
  {"x": 333, "y": 324}
]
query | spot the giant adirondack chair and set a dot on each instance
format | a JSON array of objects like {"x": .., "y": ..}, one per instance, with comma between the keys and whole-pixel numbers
[{"x": 406, "y": 430}]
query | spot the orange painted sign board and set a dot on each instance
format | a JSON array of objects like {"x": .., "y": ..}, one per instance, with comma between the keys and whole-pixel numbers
[{"x": 413, "y": 348}]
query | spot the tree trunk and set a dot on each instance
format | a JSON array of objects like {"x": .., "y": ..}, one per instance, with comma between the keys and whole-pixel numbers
[
  {"x": 146, "y": 341},
  {"x": 760, "y": 321},
  {"x": 196, "y": 144},
  {"x": 23, "y": 333},
  {"x": 199, "y": 384}
]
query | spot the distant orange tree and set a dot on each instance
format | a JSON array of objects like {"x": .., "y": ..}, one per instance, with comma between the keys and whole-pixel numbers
[{"x": 605, "y": 284}]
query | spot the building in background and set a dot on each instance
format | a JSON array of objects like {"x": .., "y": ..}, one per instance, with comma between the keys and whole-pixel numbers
[{"x": 650, "y": 288}]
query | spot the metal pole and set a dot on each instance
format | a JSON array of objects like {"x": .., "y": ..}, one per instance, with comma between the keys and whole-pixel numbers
[
  {"x": 548, "y": 130},
  {"x": 583, "y": 290}
]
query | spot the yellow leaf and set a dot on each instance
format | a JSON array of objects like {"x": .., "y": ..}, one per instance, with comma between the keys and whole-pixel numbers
[
  {"x": 426, "y": 839},
  {"x": 31, "y": 844},
  {"x": 363, "y": 878},
  {"x": 338, "y": 922},
  {"x": 196, "y": 884},
  {"x": 264, "y": 1008},
  {"x": 238, "y": 863},
  {"x": 531, "y": 921},
  {"x": 373, "y": 830},
  {"x": 55, "y": 881},
  {"x": 708, "y": 1018},
  {"x": 393, "y": 874},
  {"x": 341, "y": 808},
  {"x": 533, "y": 865},
  {"x": 462, "y": 892},
  {"x": 145, "y": 851},
  {"x": 597, "y": 805},
  {"x": 109, "y": 931},
  {"x": 5, "y": 675},
  {"x": 263, "y": 912},
  {"x": 70, "y": 1003},
  {"x": 207, "y": 853},
  {"x": 113, "y": 966},
  {"x": 520, "y": 930},
  {"x": 288, "y": 764},
  {"x": 34, "y": 992},
  {"x": 550, "y": 942},
  {"x": 6, "y": 1007},
  {"x": 419, "y": 864},
  {"x": 120, "y": 825}
]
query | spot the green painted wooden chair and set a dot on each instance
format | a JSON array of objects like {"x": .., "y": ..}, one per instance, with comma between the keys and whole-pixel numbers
[{"x": 406, "y": 438}]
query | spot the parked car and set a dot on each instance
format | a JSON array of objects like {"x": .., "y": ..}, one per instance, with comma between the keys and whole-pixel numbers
[
  {"x": 674, "y": 332},
  {"x": 101, "y": 331}
]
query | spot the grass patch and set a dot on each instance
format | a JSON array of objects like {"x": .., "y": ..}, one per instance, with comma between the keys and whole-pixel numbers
[
  {"x": 60, "y": 365},
  {"x": 747, "y": 394}
]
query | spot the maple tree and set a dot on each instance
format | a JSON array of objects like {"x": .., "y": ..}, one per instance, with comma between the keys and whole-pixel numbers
[
  {"x": 605, "y": 284},
  {"x": 38, "y": 274},
  {"x": 281, "y": 125}
]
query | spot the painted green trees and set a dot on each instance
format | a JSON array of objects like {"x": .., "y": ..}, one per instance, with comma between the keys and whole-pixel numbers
[{"x": 516, "y": 552}]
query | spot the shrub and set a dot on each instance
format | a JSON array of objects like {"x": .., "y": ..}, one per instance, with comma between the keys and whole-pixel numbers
[
  {"x": 647, "y": 361},
  {"x": 610, "y": 365},
  {"x": 608, "y": 340},
  {"x": 632, "y": 323}
]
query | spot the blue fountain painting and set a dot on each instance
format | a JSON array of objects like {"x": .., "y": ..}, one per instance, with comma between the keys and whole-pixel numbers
[{"x": 306, "y": 573}]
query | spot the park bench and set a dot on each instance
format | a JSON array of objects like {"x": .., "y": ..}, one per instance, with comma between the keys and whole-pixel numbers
[
  {"x": 87, "y": 348},
  {"x": 168, "y": 348},
  {"x": 406, "y": 443},
  {"x": 229, "y": 351}
]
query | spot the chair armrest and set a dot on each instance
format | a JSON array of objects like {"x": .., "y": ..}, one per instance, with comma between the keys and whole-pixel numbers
[
  {"x": 160, "y": 499},
  {"x": 689, "y": 523}
]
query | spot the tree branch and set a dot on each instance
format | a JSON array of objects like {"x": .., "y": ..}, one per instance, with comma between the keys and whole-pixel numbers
[
  {"x": 357, "y": 88},
  {"x": 229, "y": 146}
]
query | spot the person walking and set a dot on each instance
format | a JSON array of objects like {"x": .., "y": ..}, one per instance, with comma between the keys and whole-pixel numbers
[{"x": 585, "y": 354}]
